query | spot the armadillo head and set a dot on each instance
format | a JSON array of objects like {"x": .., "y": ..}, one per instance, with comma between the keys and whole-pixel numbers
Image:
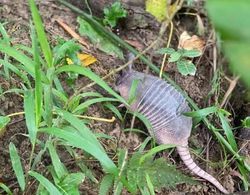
[{"x": 124, "y": 82}]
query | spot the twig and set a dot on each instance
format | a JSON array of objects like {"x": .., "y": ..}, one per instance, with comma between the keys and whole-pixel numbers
[
  {"x": 97, "y": 118},
  {"x": 229, "y": 90},
  {"x": 72, "y": 33}
]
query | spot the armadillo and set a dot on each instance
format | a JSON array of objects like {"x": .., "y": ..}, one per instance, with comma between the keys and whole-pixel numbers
[{"x": 163, "y": 106}]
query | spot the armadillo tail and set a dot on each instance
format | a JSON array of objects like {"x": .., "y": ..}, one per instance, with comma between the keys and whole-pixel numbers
[{"x": 189, "y": 162}]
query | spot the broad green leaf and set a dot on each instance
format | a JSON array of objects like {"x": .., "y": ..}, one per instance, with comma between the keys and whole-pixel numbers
[
  {"x": 157, "y": 8},
  {"x": 45, "y": 183},
  {"x": 175, "y": 56},
  {"x": 85, "y": 144},
  {"x": 186, "y": 67},
  {"x": 5, "y": 188},
  {"x": 88, "y": 73},
  {"x": 245, "y": 122},
  {"x": 16, "y": 165},
  {"x": 106, "y": 184},
  {"x": 98, "y": 39},
  {"x": 30, "y": 118},
  {"x": 161, "y": 173},
  {"x": 191, "y": 53},
  {"x": 166, "y": 50},
  {"x": 41, "y": 33},
  {"x": 113, "y": 13}
]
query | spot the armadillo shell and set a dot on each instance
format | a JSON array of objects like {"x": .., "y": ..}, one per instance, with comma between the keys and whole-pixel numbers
[{"x": 163, "y": 106}]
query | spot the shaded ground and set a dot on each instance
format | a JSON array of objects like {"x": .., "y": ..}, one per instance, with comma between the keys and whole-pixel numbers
[{"x": 198, "y": 87}]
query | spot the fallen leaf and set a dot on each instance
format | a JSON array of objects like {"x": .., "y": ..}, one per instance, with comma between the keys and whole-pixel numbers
[
  {"x": 158, "y": 8},
  {"x": 86, "y": 59},
  {"x": 191, "y": 42}
]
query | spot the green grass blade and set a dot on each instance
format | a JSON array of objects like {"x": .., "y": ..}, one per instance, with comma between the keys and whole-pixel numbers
[
  {"x": 150, "y": 185},
  {"x": 14, "y": 69},
  {"x": 38, "y": 81},
  {"x": 144, "y": 144},
  {"x": 5, "y": 36},
  {"x": 48, "y": 104},
  {"x": 80, "y": 126},
  {"x": 155, "y": 150},
  {"x": 58, "y": 166},
  {"x": 17, "y": 166},
  {"x": 29, "y": 109},
  {"x": 93, "y": 101},
  {"x": 85, "y": 144},
  {"x": 60, "y": 95},
  {"x": 228, "y": 131},
  {"x": 114, "y": 110},
  {"x": 20, "y": 57},
  {"x": 41, "y": 33},
  {"x": 45, "y": 183},
  {"x": 5, "y": 188},
  {"x": 88, "y": 73}
]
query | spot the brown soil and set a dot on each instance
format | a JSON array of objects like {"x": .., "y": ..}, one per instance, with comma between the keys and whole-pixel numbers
[{"x": 17, "y": 16}]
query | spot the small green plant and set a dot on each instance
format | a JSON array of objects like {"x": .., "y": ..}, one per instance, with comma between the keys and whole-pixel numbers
[
  {"x": 180, "y": 57},
  {"x": 246, "y": 122},
  {"x": 113, "y": 13}
]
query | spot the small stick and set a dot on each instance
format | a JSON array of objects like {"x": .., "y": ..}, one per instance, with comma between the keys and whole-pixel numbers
[
  {"x": 72, "y": 33},
  {"x": 97, "y": 118}
]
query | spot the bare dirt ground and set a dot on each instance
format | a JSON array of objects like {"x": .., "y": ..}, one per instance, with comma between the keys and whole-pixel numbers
[{"x": 16, "y": 14}]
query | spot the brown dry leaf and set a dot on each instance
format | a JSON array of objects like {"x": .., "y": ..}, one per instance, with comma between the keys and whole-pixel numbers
[
  {"x": 191, "y": 42},
  {"x": 86, "y": 59}
]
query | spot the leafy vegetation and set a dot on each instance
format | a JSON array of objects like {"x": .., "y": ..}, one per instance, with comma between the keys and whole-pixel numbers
[
  {"x": 185, "y": 66},
  {"x": 113, "y": 13},
  {"x": 50, "y": 110}
]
